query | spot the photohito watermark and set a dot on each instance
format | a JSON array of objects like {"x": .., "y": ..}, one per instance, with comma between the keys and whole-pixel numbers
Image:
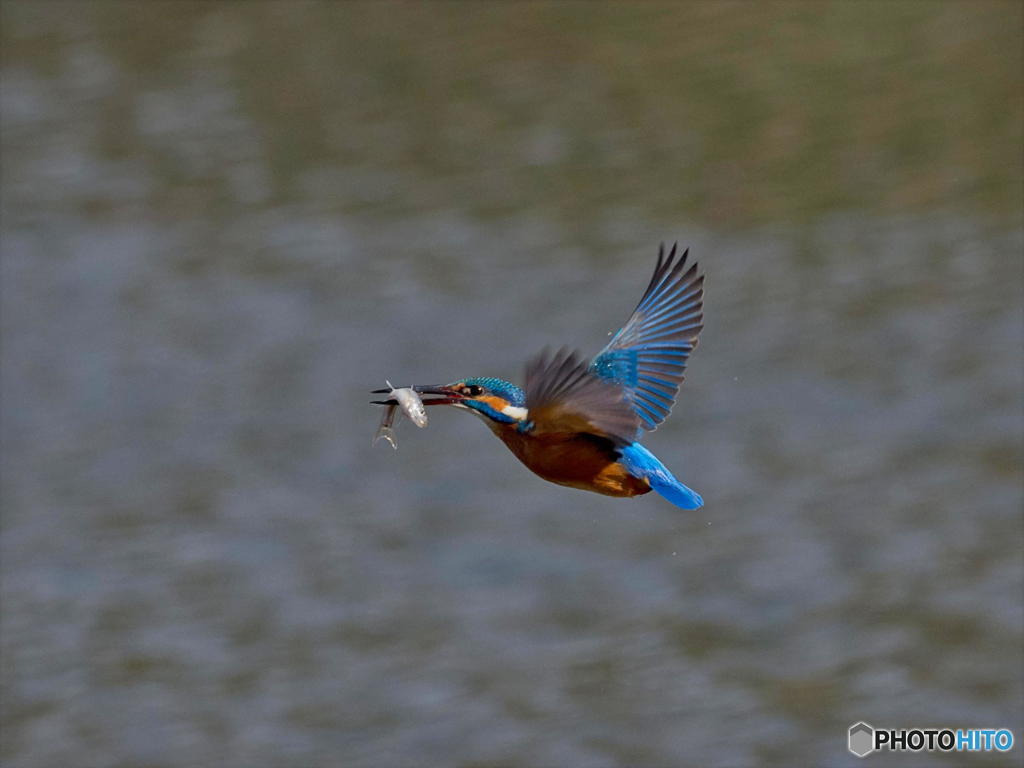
[{"x": 862, "y": 739}]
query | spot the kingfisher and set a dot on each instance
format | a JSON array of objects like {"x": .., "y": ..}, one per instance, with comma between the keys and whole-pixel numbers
[{"x": 579, "y": 423}]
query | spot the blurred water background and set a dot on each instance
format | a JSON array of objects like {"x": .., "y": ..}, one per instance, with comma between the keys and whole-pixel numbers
[{"x": 223, "y": 223}]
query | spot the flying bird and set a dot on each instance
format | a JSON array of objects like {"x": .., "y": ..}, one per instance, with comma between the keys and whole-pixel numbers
[{"x": 579, "y": 424}]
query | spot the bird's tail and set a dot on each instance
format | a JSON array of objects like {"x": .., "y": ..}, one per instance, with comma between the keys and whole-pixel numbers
[{"x": 643, "y": 464}]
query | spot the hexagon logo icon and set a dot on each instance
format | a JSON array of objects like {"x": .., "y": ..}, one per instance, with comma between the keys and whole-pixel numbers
[{"x": 861, "y": 739}]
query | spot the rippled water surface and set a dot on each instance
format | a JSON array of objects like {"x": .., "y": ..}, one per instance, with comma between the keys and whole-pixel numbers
[{"x": 224, "y": 223}]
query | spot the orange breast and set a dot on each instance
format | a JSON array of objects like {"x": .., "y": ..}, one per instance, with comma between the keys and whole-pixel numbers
[{"x": 583, "y": 462}]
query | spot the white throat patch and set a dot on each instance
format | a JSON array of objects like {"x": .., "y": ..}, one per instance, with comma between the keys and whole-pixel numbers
[{"x": 516, "y": 412}]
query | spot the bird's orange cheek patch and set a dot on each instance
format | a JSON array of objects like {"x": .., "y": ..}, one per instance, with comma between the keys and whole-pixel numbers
[{"x": 497, "y": 403}]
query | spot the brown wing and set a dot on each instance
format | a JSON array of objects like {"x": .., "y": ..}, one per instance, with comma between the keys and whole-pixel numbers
[{"x": 565, "y": 399}]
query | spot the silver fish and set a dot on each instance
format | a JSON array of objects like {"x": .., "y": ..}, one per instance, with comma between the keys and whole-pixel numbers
[
  {"x": 412, "y": 406},
  {"x": 411, "y": 403}
]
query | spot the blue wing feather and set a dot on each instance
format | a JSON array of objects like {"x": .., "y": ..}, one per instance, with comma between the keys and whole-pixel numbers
[{"x": 648, "y": 356}]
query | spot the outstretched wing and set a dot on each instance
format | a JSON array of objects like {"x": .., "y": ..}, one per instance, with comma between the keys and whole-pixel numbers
[
  {"x": 648, "y": 355},
  {"x": 565, "y": 398}
]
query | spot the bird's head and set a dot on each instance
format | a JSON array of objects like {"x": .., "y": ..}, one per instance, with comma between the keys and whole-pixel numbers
[{"x": 495, "y": 400}]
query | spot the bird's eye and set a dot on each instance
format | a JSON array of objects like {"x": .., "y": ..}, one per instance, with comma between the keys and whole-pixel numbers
[{"x": 472, "y": 390}]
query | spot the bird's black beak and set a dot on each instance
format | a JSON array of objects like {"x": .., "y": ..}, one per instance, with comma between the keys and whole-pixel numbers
[{"x": 445, "y": 395}]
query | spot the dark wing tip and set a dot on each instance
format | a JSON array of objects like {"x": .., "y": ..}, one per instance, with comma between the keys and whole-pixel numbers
[{"x": 668, "y": 269}]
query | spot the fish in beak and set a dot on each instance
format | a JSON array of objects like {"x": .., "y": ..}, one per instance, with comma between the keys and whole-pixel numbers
[{"x": 412, "y": 404}]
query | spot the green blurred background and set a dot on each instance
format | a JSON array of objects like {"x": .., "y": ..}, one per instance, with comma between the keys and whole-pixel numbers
[{"x": 223, "y": 223}]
